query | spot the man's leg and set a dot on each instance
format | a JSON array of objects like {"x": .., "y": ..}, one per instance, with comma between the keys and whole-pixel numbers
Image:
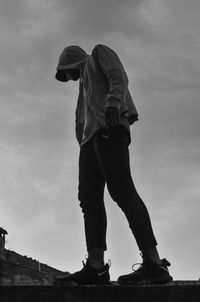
[
  {"x": 113, "y": 156},
  {"x": 91, "y": 191},
  {"x": 90, "y": 194}
]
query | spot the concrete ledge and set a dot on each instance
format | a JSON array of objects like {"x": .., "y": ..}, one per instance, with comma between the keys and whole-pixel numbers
[{"x": 174, "y": 292}]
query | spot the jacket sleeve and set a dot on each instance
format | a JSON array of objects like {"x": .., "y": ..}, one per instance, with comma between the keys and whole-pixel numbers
[
  {"x": 110, "y": 64},
  {"x": 79, "y": 115}
]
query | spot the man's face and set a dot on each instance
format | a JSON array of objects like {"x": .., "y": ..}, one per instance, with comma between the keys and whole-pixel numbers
[{"x": 73, "y": 74}]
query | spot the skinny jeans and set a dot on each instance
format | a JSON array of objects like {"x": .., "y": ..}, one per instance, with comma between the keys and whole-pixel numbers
[{"x": 104, "y": 159}]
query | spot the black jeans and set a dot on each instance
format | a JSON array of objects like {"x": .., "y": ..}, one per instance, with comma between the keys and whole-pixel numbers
[{"x": 105, "y": 160}]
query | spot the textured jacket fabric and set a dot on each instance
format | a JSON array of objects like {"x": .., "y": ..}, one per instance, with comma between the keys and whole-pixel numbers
[{"x": 103, "y": 83}]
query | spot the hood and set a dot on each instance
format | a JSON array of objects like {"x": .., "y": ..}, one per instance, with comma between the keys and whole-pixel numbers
[{"x": 72, "y": 57}]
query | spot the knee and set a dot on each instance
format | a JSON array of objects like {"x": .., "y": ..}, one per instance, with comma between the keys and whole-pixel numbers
[
  {"x": 90, "y": 195},
  {"x": 91, "y": 205},
  {"x": 121, "y": 195}
]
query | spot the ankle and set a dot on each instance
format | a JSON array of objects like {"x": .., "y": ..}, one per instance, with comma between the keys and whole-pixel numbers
[
  {"x": 98, "y": 265},
  {"x": 96, "y": 258},
  {"x": 152, "y": 254}
]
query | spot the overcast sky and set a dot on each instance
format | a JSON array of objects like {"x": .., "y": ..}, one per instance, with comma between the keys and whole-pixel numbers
[{"x": 158, "y": 42}]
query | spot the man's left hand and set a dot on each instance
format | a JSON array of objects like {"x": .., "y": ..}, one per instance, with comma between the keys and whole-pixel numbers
[{"x": 112, "y": 117}]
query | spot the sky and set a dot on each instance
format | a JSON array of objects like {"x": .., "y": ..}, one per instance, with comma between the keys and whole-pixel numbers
[{"x": 158, "y": 42}]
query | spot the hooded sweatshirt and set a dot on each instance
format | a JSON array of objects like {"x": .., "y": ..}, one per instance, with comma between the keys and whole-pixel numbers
[{"x": 103, "y": 83}]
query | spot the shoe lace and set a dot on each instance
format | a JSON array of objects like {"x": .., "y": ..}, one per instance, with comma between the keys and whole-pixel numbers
[
  {"x": 140, "y": 266},
  {"x": 164, "y": 263},
  {"x": 86, "y": 258},
  {"x": 84, "y": 264}
]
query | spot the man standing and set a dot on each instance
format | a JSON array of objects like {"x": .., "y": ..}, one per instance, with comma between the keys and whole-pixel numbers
[{"x": 104, "y": 113}]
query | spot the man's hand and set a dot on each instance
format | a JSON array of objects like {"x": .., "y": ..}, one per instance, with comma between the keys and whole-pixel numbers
[{"x": 112, "y": 117}]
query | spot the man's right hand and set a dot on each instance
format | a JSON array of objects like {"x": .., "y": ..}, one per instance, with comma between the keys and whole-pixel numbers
[{"x": 112, "y": 117}]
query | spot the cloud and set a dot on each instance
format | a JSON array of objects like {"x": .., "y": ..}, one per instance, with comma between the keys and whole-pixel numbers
[{"x": 91, "y": 18}]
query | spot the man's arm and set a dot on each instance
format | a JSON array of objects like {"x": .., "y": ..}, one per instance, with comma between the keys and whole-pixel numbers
[
  {"x": 115, "y": 73},
  {"x": 111, "y": 66}
]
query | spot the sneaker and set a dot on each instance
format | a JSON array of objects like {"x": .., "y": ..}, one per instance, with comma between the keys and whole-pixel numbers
[
  {"x": 87, "y": 276},
  {"x": 148, "y": 273}
]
